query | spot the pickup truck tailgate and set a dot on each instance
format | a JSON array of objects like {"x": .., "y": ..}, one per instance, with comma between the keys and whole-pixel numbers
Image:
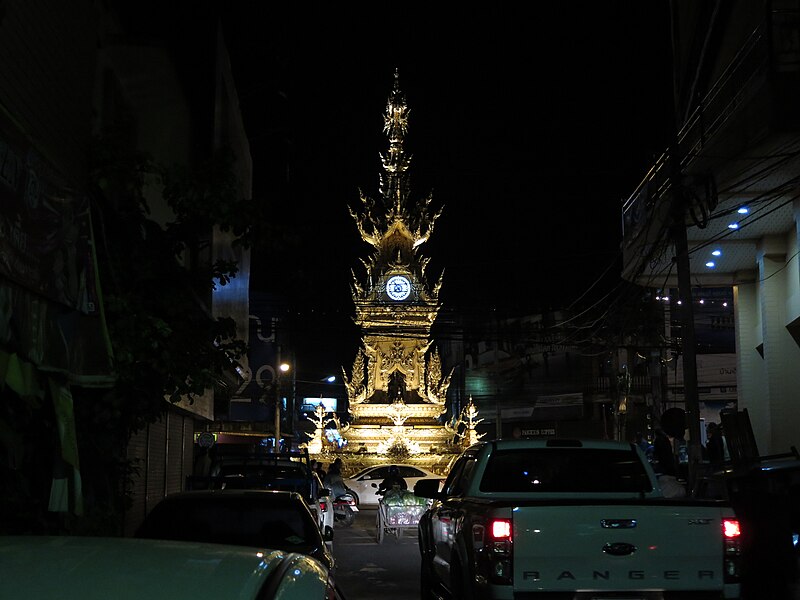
[{"x": 617, "y": 547}]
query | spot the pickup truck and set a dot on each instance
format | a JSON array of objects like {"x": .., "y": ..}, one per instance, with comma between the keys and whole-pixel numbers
[{"x": 571, "y": 519}]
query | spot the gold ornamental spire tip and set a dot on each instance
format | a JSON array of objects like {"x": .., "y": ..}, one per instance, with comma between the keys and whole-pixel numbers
[{"x": 395, "y": 164}]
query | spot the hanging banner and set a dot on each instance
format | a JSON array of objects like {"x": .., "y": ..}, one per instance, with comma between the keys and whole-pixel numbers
[
  {"x": 44, "y": 227},
  {"x": 65, "y": 420}
]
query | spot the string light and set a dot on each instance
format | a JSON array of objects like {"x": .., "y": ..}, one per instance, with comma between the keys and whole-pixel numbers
[{"x": 705, "y": 302}]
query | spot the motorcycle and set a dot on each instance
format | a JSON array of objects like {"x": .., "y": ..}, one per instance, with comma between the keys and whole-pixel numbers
[{"x": 344, "y": 510}]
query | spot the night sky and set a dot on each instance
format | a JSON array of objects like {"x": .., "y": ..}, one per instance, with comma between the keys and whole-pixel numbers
[{"x": 529, "y": 126}]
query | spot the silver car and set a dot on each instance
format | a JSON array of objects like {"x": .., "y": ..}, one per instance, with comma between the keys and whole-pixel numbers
[{"x": 95, "y": 568}]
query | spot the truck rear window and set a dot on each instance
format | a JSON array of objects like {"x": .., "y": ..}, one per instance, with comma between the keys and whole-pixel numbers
[{"x": 580, "y": 470}]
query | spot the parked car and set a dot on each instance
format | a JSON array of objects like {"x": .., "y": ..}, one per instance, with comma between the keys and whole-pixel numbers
[
  {"x": 365, "y": 483},
  {"x": 95, "y": 568},
  {"x": 258, "y": 518},
  {"x": 323, "y": 507},
  {"x": 248, "y": 468}
]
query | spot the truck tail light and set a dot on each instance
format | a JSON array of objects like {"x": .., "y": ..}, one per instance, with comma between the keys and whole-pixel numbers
[
  {"x": 732, "y": 550},
  {"x": 501, "y": 529},
  {"x": 494, "y": 548}
]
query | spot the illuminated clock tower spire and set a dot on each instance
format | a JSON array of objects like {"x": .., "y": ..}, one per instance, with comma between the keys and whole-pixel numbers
[{"x": 397, "y": 390}]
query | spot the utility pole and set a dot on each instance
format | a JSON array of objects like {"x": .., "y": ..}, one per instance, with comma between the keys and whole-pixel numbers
[
  {"x": 277, "y": 447},
  {"x": 688, "y": 342},
  {"x": 282, "y": 368}
]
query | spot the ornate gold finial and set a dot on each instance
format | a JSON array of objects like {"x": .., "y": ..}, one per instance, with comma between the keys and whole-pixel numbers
[
  {"x": 379, "y": 225},
  {"x": 393, "y": 186}
]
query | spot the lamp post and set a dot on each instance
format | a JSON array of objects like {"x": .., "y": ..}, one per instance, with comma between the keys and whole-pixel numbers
[{"x": 282, "y": 369}]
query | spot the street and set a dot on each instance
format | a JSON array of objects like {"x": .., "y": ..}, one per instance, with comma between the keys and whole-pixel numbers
[{"x": 367, "y": 570}]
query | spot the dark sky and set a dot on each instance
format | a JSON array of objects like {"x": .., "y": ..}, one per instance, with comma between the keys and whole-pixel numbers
[{"x": 530, "y": 126}]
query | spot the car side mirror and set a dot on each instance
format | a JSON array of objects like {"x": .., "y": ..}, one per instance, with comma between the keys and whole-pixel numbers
[
  {"x": 428, "y": 488},
  {"x": 324, "y": 492},
  {"x": 327, "y": 535}
]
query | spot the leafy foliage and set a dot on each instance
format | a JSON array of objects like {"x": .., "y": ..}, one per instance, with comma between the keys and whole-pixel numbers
[{"x": 157, "y": 279}]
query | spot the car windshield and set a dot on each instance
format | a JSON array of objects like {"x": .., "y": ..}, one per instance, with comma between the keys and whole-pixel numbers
[
  {"x": 564, "y": 470},
  {"x": 289, "y": 478},
  {"x": 238, "y": 521},
  {"x": 411, "y": 472},
  {"x": 271, "y": 471},
  {"x": 360, "y": 473}
]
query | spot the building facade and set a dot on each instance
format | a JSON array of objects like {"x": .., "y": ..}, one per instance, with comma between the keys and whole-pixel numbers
[
  {"x": 72, "y": 74},
  {"x": 728, "y": 184}
]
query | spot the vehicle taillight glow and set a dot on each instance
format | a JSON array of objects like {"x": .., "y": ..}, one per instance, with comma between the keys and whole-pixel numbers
[
  {"x": 500, "y": 529},
  {"x": 730, "y": 528},
  {"x": 732, "y": 550},
  {"x": 494, "y": 547},
  {"x": 323, "y": 506}
]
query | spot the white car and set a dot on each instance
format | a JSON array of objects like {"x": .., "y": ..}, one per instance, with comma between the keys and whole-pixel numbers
[
  {"x": 95, "y": 568},
  {"x": 365, "y": 483},
  {"x": 322, "y": 508}
]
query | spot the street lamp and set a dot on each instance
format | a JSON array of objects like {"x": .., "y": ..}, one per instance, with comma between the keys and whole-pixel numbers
[{"x": 282, "y": 369}]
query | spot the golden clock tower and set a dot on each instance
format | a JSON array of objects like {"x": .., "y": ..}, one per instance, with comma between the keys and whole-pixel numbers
[{"x": 397, "y": 391}]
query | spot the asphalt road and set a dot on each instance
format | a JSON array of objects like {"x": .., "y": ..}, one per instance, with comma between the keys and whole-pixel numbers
[{"x": 367, "y": 570}]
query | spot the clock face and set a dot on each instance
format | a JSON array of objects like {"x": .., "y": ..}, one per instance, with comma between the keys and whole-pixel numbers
[{"x": 398, "y": 287}]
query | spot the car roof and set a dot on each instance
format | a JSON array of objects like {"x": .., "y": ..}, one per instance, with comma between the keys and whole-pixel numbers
[
  {"x": 554, "y": 443},
  {"x": 259, "y": 462},
  {"x": 372, "y": 467},
  {"x": 397, "y": 465},
  {"x": 275, "y": 496},
  {"x": 93, "y": 568},
  {"x": 244, "y": 495}
]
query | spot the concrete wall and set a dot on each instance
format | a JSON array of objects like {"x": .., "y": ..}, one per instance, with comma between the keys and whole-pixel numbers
[{"x": 769, "y": 384}]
